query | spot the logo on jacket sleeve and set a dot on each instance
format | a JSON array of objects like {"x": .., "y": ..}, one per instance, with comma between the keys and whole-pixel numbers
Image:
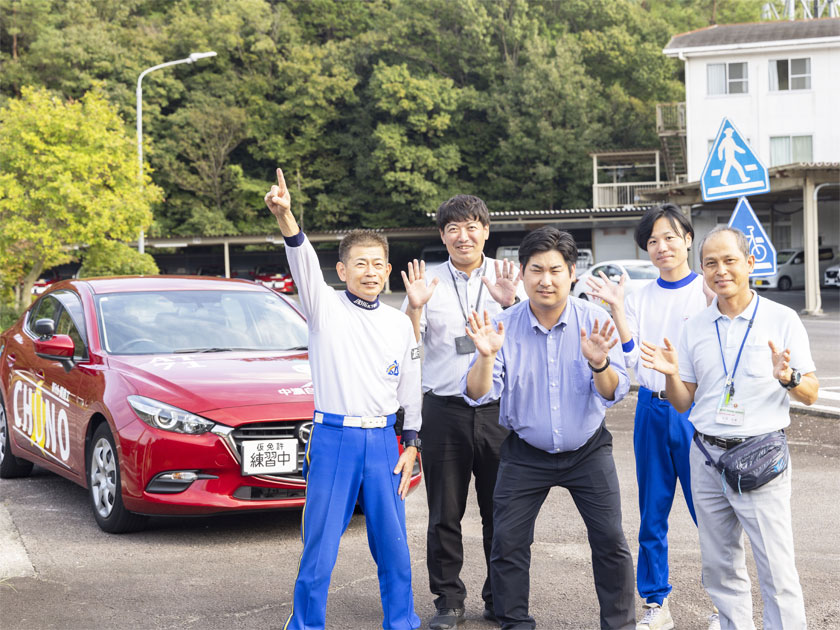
[{"x": 393, "y": 369}]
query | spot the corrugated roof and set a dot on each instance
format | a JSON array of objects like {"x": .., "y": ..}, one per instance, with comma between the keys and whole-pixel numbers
[{"x": 776, "y": 31}]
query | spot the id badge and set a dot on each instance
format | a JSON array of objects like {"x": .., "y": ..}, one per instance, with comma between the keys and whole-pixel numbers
[
  {"x": 728, "y": 411},
  {"x": 464, "y": 345}
]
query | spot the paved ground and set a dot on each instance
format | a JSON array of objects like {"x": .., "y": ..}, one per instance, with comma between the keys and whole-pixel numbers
[{"x": 59, "y": 571}]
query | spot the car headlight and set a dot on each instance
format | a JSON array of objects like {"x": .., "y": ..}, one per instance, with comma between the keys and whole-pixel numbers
[{"x": 162, "y": 416}]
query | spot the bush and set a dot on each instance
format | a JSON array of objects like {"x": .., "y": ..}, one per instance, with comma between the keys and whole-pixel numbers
[{"x": 112, "y": 258}]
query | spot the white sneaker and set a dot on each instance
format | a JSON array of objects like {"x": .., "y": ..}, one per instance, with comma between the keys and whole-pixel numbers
[
  {"x": 714, "y": 621},
  {"x": 656, "y": 617}
]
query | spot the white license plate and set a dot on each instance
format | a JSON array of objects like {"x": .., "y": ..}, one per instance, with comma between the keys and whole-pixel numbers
[{"x": 269, "y": 456}]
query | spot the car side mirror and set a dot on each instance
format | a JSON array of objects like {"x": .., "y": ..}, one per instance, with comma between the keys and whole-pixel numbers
[
  {"x": 615, "y": 277},
  {"x": 54, "y": 347},
  {"x": 45, "y": 328}
]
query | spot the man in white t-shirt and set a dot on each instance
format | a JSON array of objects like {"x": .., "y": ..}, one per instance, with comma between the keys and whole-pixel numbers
[
  {"x": 740, "y": 361},
  {"x": 365, "y": 365},
  {"x": 661, "y": 435}
]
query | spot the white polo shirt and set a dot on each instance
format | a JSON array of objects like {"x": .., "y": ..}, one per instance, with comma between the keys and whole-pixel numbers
[
  {"x": 365, "y": 360},
  {"x": 765, "y": 402},
  {"x": 660, "y": 309},
  {"x": 443, "y": 320}
]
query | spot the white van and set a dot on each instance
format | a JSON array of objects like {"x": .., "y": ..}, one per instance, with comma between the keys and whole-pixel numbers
[{"x": 790, "y": 269}]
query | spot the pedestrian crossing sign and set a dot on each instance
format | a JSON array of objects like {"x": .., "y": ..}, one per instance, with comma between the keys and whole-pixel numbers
[{"x": 732, "y": 167}]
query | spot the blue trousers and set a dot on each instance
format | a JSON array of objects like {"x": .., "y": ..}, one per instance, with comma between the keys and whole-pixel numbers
[
  {"x": 661, "y": 441},
  {"x": 344, "y": 464}
]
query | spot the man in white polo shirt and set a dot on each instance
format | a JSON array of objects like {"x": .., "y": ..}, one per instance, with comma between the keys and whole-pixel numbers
[
  {"x": 365, "y": 365},
  {"x": 740, "y": 361}
]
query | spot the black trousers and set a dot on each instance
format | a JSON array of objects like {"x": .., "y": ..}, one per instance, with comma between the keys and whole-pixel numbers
[
  {"x": 459, "y": 441},
  {"x": 526, "y": 474}
]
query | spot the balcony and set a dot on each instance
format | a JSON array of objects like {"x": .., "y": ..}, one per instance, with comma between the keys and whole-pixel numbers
[
  {"x": 670, "y": 119},
  {"x": 622, "y": 194}
]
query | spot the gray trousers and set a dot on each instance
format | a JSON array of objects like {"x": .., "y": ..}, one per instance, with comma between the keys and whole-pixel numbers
[{"x": 765, "y": 515}]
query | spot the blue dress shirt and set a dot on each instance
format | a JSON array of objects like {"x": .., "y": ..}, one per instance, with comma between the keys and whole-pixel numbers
[{"x": 545, "y": 386}]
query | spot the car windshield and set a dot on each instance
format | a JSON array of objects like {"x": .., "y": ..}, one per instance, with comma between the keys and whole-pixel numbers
[
  {"x": 167, "y": 322},
  {"x": 784, "y": 255},
  {"x": 642, "y": 272}
]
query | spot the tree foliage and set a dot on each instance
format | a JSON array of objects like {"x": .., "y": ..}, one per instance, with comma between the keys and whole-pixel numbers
[
  {"x": 69, "y": 177},
  {"x": 113, "y": 258},
  {"x": 377, "y": 110}
]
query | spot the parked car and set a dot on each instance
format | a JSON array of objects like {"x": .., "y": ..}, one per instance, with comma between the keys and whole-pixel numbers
[
  {"x": 511, "y": 252},
  {"x": 790, "y": 269},
  {"x": 832, "y": 276},
  {"x": 275, "y": 277},
  {"x": 639, "y": 272},
  {"x": 161, "y": 395}
]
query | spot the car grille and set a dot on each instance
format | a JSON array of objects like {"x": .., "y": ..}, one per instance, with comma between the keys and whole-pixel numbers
[
  {"x": 264, "y": 431},
  {"x": 831, "y": 274}
]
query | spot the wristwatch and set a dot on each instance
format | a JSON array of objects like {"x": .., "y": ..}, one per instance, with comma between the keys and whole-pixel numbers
[
  {"x": 515, "y": 302},
  {"x": 795, "y": 378},
  {"x": 415, "y": 442}
]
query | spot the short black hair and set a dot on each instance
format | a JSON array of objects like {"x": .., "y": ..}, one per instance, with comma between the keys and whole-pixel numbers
[
  {"x": 546, "y": 239},
  {"x": 361, "y": 237},
  {"x": 676, "y": 218},
  {"x": 462, "y": 208}
]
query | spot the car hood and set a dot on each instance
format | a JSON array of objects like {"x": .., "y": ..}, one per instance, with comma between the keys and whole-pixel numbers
[{"x": 256, "y": 383}]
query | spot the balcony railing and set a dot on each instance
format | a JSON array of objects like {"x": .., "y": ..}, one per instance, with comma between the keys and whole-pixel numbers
[
  {"x": 670, "y": 118},
  {"x": 611, "y": 195}
]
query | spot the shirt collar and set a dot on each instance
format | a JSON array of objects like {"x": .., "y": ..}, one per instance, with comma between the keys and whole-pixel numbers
[
  {"x": 665, "y": 284},
  {"x": 745, "y": 314},
  {"x": 463, "y": 274},
  {"x": 561, "y": 322},
  {"x": 361, "y": 302}
]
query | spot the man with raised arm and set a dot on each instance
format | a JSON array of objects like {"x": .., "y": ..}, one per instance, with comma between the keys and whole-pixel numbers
[
  {"x": 554, "y": 365},
  {"x": 661, "y": 435},
  {"x": 365, "y": 365},
  {"x": 740, "y": 361},
  {"x": 459, "y": 441}
]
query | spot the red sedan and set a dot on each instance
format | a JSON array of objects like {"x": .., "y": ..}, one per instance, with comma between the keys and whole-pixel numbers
[{"x": 161, "y": 395}]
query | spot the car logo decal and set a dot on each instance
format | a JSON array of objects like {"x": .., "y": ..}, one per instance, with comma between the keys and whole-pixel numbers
[
  {"x": 41, "y": 416},
  {"x": 304, "y": 432}
]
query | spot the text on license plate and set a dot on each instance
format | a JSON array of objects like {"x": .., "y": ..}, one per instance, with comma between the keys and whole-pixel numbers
[{"x": 269, "y": 456}]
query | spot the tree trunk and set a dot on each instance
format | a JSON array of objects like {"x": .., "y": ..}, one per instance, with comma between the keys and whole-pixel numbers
[{"x": 24, "y": 298}]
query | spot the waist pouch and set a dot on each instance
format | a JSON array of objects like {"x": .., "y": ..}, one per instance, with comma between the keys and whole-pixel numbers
[{"x": 752, "y": 463}]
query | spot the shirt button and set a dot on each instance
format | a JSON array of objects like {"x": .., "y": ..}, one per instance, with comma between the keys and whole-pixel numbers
[
  {"x": 551, "y": 360},
  {"x": 555, "y": 408},
  {"x": 554, "y": 384}
]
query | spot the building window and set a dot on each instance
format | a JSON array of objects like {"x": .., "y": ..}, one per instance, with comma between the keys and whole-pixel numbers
[
  {"x": 791, "y": 149},
  {"x": 727, "y": 78},
  {"x": 790, "y": 74}
]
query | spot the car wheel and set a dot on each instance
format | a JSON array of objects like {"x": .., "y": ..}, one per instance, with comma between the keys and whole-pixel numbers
[
  {"x": 10, "y": 466},
  {"x": 784, "y": 283},
  {"x": 104, "y": 485}
]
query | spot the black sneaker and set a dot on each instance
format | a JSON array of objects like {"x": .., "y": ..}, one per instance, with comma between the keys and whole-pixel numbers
[{"x": 447, "y": 618}]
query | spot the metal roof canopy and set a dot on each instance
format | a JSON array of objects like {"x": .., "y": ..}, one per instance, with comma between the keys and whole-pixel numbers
[{"x": 808, "y": 181}]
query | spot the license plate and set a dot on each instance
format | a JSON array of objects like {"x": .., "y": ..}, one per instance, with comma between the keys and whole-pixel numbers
[{"x": 269, "y": 456}]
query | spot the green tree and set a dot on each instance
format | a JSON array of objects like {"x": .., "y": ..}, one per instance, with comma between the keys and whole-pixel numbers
[
  {"x": 69, "y": 178},
  {"x": 113, "y": 258}
]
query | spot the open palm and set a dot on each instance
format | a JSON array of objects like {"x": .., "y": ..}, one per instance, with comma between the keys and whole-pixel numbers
[
  {"x": 596, "y": 347},
  {"x": 488, "y": 340},
  {"x": 416, "y": 289}
]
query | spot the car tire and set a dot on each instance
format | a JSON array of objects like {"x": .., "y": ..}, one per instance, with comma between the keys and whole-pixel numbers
[
  {"x": 10, "y": 466},
  {"x": 784, "y": 283},
  {"x": 104, "y": 486}
]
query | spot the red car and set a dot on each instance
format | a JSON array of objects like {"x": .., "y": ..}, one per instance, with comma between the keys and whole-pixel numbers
[
  {"x": 161, "y": 395},
  {"x": 274, "y": 277}
]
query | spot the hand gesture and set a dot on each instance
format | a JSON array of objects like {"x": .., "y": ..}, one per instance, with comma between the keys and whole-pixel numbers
[
  {"x": 781, "y": 363},
  {"x": 596, "y": 346},
  {"x": 416, "y": 289},
  {"x": 606, "y": 289},
  {"x": 504, "y": 290},
  {"x": 488, "y": 340},
  {"x": 404, "y": 468},
  {"x": 662, "y": 359},
  {"x": 278, "y": 199}
]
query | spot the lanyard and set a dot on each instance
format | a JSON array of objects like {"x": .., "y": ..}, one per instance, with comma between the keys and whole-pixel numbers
[
  {"x": 458, "y": 295},
  {"x": 730, "y": 379}
]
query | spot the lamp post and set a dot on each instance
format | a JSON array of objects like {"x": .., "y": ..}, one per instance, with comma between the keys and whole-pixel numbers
[{"x": 141, "y": 246}]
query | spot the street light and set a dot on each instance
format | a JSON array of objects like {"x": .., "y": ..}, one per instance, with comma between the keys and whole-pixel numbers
[{"x": 193, "y": 57}]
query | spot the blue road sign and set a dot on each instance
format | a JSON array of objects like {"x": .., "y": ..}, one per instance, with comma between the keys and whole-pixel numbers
[
  {"x": 745, "y": 220},
  {"x": 732, "y": 168}
]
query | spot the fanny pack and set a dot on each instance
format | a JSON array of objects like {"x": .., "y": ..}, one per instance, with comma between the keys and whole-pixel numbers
[{"x": 752, "y": 463}]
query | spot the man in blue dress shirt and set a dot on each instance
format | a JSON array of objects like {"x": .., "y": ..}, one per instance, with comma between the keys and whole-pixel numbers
[{"x": 553, "y": 363}]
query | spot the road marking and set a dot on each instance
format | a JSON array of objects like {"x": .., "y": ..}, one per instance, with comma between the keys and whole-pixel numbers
[
  {"x": 834, "y": 410},
  {"x": 829, "y": 395},
  {"x": 14, "y": 561}
]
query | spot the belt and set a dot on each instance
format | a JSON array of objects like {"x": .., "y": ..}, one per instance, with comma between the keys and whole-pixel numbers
[
  {"x": 661, "y": 394},
  {"x": 457, "y": 400},
  {"x": 724, "y": 443},
  {"x": 359, "y": 422}
]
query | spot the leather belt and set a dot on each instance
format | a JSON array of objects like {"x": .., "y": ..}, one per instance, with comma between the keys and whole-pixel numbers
[
  {"x": 360, "y": 422},
  {"x": 661, "y": 394},
  {"x": 724, "y": 443}
]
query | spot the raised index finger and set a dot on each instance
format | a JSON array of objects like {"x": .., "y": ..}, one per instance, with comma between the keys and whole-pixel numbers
[{"x": 281, "y": 182}]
